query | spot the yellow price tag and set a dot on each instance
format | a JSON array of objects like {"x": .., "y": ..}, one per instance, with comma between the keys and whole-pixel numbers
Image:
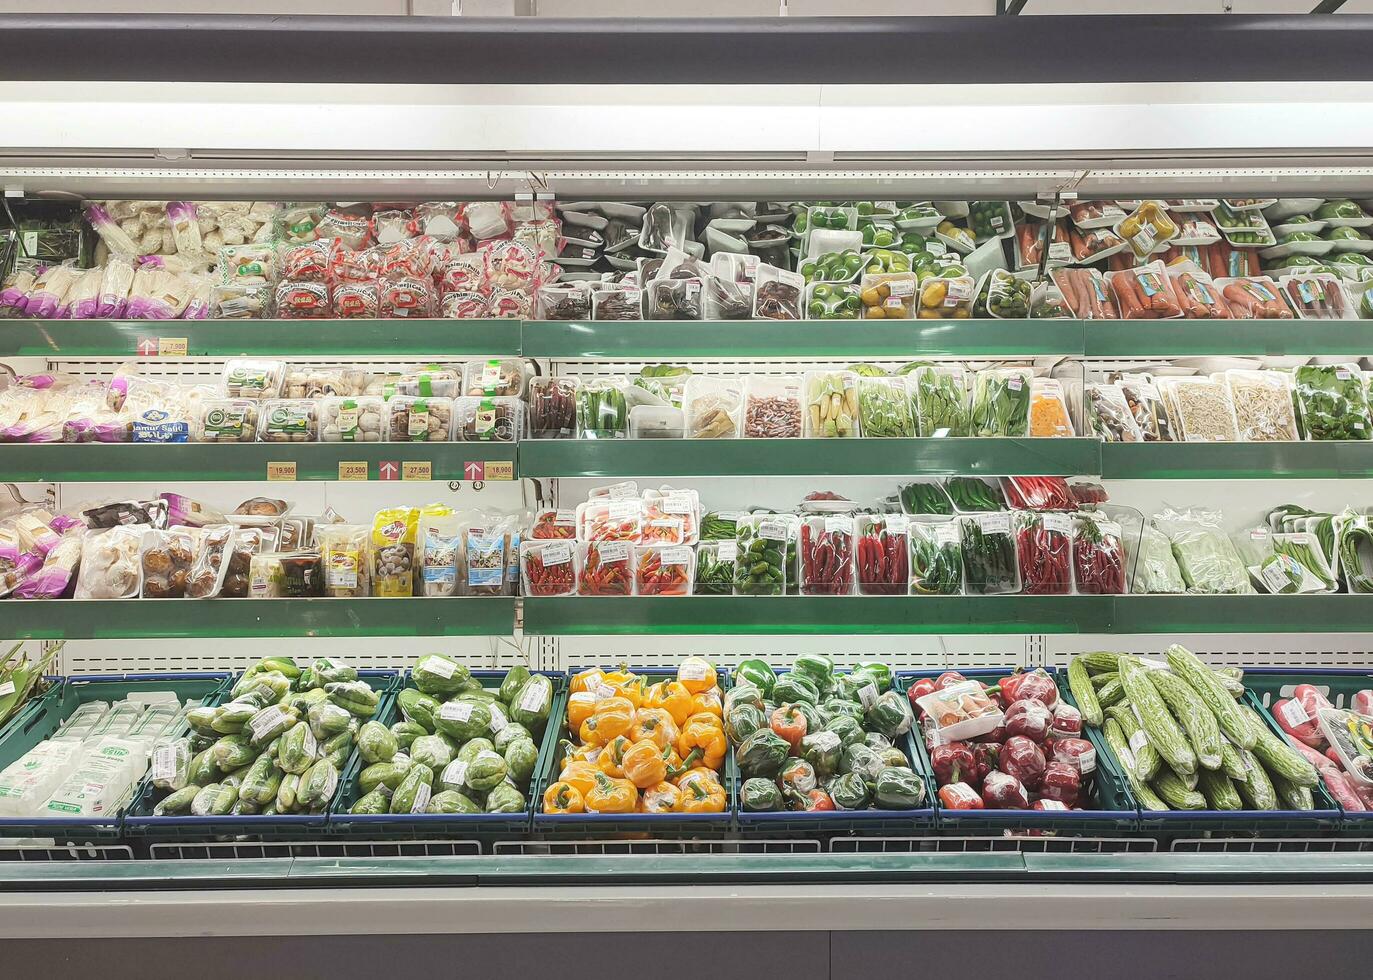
[
  {"x": 281, "y": 472},
  {"x": 417, "y": 471},
  {"x": 353, "y": 469},
  {"x": 171, "y": 346},
  {"x": 500, "y": 469}
]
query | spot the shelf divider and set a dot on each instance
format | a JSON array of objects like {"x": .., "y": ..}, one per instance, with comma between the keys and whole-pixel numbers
[{"x": 1236, "y": 460}]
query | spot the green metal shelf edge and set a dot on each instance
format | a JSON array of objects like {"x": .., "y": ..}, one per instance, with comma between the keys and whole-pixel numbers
[
  {"x": 114, "y": 463},
  {"x": 1236, "y": 460},
  {"x": 1177, "y": 338},
  {"x": 1243, "y": 614},
  {"x": 706, "y": 615},
  {"x": 807, "y": 457},
  {"x": 227, "y": 338},
  {"x": 800, "y": 338},
  {"x": 104, "y": 619}
]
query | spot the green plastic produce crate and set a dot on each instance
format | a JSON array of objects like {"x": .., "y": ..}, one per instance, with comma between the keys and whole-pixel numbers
[
  {"x": 142, "y": 824},
  {"x": 44, "y": 716},
  {"x": 600, "y": 826},
  {"x": 1265, "y": 686},
  {"x": 1171, "y": 824},
  {"x": 826, "y": 824},
  {"x": 435, "y": 826},
  {"x": 1111, "y": 813}
]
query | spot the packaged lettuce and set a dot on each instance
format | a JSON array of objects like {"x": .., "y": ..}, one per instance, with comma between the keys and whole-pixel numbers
[{"x": 1207, "y": 558}]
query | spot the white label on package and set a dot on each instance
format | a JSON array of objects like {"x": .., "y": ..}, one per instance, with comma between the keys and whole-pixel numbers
[
  {"x": 839, "y": 525},
  {"x": 310, "y": 744},
  {"x": 730, "y": 516},
  {"x": 498, "y": 719},
  {"x": 623, "y": 510},
  {"x": 438, "y": 665},
  {"x": 677, "y": 502},
  {"x": 959, "y": 291},
  {"x": 1056, "y": 523},
  {"x": 558, "y": 553},
  {"x": 901, "y": 287},
  {"x": 264, "y": 721},
  {"x": 600, "y": 689},
  {"x": 565, "y": 518},
  {"x": 1343, "y": 374},
  {"x": 727, "y": 551},
  {"x": 532, "y": 698},
  {"x": 1138, "y": 740},
  {"x": 164, "y": 763},
  {"x": 1274, "y": 577},
  {"x": 946, "y": 533},
  {"x": 491, "y": 374},
  {"x": 772, "y": 530},
  {"x": 422, "y": 792},
  {"x": 1060, "y": 252},
  {"x": 693, "y": 670},
  {"x": 825, "y": 741},
  {"x": 997, "y": 523},
  {"x": 6, "y": 688},
  {"x": 1015, "y": 382},
  {"x": 1293, "y": 713},
  {"x": 611, "y": 551},
  {"x": 675, "y": 556},
  {"x": 867, "y": 695},
  {"x": 1086, "y": 762},
  {"x": 1129, "y": 759},
  {"x": 455, "y": 773},
  {"x": 896, "y": 523},
  {"x": 456, "y": 711},
  {"x": 629, "y": 490},
  {"x": 1052, "y": 805}
]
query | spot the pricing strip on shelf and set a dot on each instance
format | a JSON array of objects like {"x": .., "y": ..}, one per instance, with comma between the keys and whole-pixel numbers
[
  {"x": 281, "y": 472},
  {"x": 500, "y": 469},
  {"x": 417, "y": 470},
  {"x": 353, "y": 470}
]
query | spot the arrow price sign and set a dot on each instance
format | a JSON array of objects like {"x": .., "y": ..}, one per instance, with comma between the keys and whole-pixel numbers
[
  {"x": 146, "y": 347},
  {"x": 474, "y": 470},
  {"x": 389, "y": 469}
]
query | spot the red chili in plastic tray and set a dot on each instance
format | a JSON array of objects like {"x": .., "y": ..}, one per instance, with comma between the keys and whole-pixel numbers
[
  {"x": 554, "y": 525},
  {"x": 657, "y": 577},
  {"x": 1038, "y": 493},
  {"x": 1088, "y": 493},
  {"x": 558, "y": 579},
  {"x": 1044, "y": 555},
  {"x": 1098, "y": 559},
  {"x": 883, "y": 561},
  {"x": 605, "y": 570},
  {"x": 827, "y": 556}
]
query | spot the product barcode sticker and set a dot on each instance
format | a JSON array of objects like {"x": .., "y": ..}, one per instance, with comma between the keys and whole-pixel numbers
[
  {"x": 677, "y": 502},
  {"x": 1056, "y": 523},
  {"x": 867, "y": 695},
  {"x": 730, "y": 516},
  {"x": 623, "y": 491},
  {"x": 600, "y": 689},
  {"x": 1052, "y": 805},
  {"x": 901, "y": 287},
  {"x": 422, "y": 794},
  {"x": 310, "y": 744},
  {"x": 1293, "y": 713},
  {"x": 1259, "y": 534},
  {"x": 623, "y": 510},
  {"x": 532, "y": 696},
  {"x": 1129, "y": 759},
  {"x": 557, "y": 553},
  {"x": 6, "y": 688},
  {"x": 265, "y": 719},
  {"x": 896, "y": 523},
  {"x": 498, "y": 719},
  {"x": 675, "y": 556},
  {"x": 995, "y": 523},
  {"x": 693, "y": 669},
  {"x": 164, "y": 763},
  {"x": 456, "y": 711},
  {"x": 959, "y": 291},
  {"x": 727, "y": 551},
  {"x": 1138, "y": 740},
  {"x": 491, "y": 374},
  {"x": 1086, "y": 762},
  {"x": 772, "y": 530},
  {"x": 946, "y": 533},
  {"x": 839, "y": 525},
  {"x": 1274, "y": 577},
  {"x": 1015, "y": 382},
  {"x": 455, "y": 773},
  {"x": 565, "y": 518},
  {"x": 613, "y": 551},
  {"x": 438, "y": 665},
  {"x": 962, "y": 793},
  {"x": 1343, "y": 374},
  {"x": 1060, "y": 252}
]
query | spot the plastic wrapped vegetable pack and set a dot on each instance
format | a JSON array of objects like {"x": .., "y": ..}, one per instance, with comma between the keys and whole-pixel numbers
[
  {"x": 639, "y": 747},
  {"x": 1332, "y": 401},
  {"x": 1156, "y": 569},
  {"x": 1207, "y": 558},
  {"x": 1044, "y": 551},
  {"x": 939, "y": 401},
  {"x": 1001, "y": 403},
  {"x": 816, "y": 740}
]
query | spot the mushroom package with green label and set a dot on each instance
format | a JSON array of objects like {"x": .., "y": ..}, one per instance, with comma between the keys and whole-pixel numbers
[{"x": 459, "y": 745}]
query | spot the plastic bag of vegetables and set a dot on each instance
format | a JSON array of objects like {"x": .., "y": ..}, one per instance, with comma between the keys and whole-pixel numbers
[{"x": 1207, "y": 558}]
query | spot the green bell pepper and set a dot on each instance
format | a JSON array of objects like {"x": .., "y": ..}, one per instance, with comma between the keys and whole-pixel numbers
[
  {"x": 848, "y": 730},
  {"x": 795, "y": 687},
  {"x": 898, "y": 789},
  {"x": 849, "y": 792},
  {"x": 823, "y": 751},
  {"x": 891, "y": 715},
  {"x": 759, "y": 795},
  {"x": 762, "y": 754},
  {"x": 815, "y": 667},
  {"x": 758, "y": 673}
]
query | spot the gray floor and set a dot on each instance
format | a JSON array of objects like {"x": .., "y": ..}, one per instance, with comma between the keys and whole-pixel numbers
[{"x": 722, "y": 956}]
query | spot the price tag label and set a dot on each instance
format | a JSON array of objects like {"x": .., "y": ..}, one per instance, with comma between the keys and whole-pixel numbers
[
  {"x": 1293, "y": 712},
  {"x": 171, "y": 346},
  {"x": 613, "y": 551},
  {"x": 558, "y": 553},
  {"x": 421, "y": 470},
  {"x": 675, "y": 556},
  {"x": 727, "y": 551},
  {"x": 456, "y": 711},
  {"x": 7, "y": 688},
  {"x": 352, "y": 470},
  {"x": 500, "y": 469},
  {"x": 1056, "y": 523},
  {"x": 997, "y": 523},
  {"x": 281, "y": 472}
]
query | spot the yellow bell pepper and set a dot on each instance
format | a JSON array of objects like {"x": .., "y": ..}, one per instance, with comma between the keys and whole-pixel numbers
[
  {"x": 580, "y": 775},
  {"x": 653, "y": 725},
  {"x": 643, "y": 765},
  {"x": 701, "y": 794},
  {"x": 708, "y": 702},
  {"x": 672, "y": 697},
  {"x": 662, "y": 798},
  {"x": 681, "y": 775},
  {"x": 705, "y": 738},
  {"x": 612, "y": 718},
  {"x": 580, "y": 707},
  {"x": 631, "y": 689},
  {"x": 612, "y": 795},
  {"x": 586, "y": 680},
  {"x": 563, "y": 797},
  {"x": 696, "y": 674},
  {"x": 611, "y": 761}
]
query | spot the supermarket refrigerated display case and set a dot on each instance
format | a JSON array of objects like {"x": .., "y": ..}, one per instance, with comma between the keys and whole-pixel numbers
[{"x": 791, "y": 116}]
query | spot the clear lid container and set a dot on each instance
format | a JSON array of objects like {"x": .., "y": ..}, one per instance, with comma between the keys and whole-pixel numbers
[
  {"x": 548, "y": 568},
  {"x": 489, "y": 419},
  {"x": 831, "y": 404},
  {"x": 416, "y": 419},
  {"x": 772, "y": 407},
  {"x": 605, "y": 568},
  {"x": 990, "y": 563},
  {"x": 715, "y": 567},
  {"x": 257, "y": 378},
  {"x": 227, "y": 420},
  {"x": 656, "y": 422},
  {"x": 289, "y": 420},
  {"x": 667, "y": 570},
  {"x": 712, "y": 407},
  {"x": 505, "y": 376},
  {"x": 430, "y": 381},
  {"x": 352, "y": 419},
  {"x": 764, "y": 547}
]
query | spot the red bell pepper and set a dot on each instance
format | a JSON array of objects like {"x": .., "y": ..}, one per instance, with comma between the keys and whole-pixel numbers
[
  {"x": 917, "y": 691},
  {"x": 818, "y": 799},
  {"x": 960, "y": 796},
  {"x": 953, "y": 763},
  {"x": 1061, "y": 782},
  {"x": 1024, "y": 760},
  {"x": 1002, "y": 791},
  {"x": 789, "y": 724}
]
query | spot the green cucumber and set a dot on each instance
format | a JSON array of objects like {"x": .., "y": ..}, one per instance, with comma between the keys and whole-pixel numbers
[
  {"x": 1080, "y": 684},
  {"x": 1164, "y": 733},
  {"x": 1193, "y": 715},
  {"x": 1208, "y": 687}
]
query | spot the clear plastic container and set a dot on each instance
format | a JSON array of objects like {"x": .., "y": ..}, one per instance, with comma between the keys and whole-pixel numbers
[
  {"x": 715, "y": 567},
  {"x": 833, "y": 301},
  {"x": 990, "y": 562},
  {"x": 1049, "y": 410},
  {"x": 1263, "y": 405},
  {"x": 656, "y": 422},
  {"x": 1107, "y": 411},
  {"x": 888, "y": 296},
  {"x": 552, "y": 408},
  {"x": 764, "y": 546},
  {"x": 548, "y": 568},
  {"x": 430, "y": 381},
  {"x": 671, "y": 516},
  {"x": 354, "y": 419},
  {"x": 882, "y": 554},
  {"x": 713, "y": 407},
  {"x": 497, "y": 376},
  {"x": 1098, "y": 555},
  {"x": 674, "y": 299},
  {"x": 1317, "y": 296},
  {"x": 289, "y": 420},
  {"x": 616, "y": 302},
  {"x": 344, "y": 557},
  {"x": 961, "y": 711},
  {"x": 604, "y": 519},
  {"x": 884, "y": 409},
  {"x": 772, "y": 407},
  {"x": 827, "y": 555},
  {"x": 667, "y": 570},
  {"x": 936, "y": 557},
  {"x": 1203, "y": 409},
  {"x": 418, "y": 419},
  {"x": 605, "y": 568},
  {"x": 226, "y": 420},
  {"x": 1044, "y": 552},
  {"x": 1001, "y": 403},
  {"x": 949, "y": 298},
  {"x": 256, "y": 378},
  {"x": 831, "y": 404},
  {"x": 939, "y": 401},
  {"x": 489, "y": 419}
]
